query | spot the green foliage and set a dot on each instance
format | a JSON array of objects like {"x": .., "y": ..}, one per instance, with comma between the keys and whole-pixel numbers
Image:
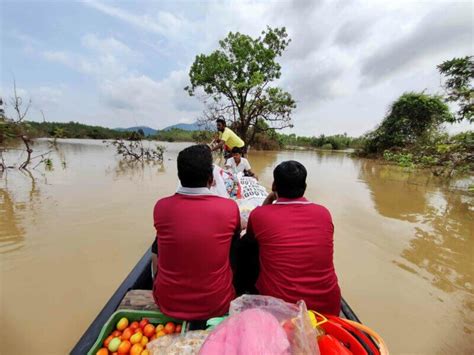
[
  {"x": 134, "y": 150},
  {"x": 459, "y": 74},
  {"x": 402, "y": 159},
  {"x": 237, "y": 77},
  {"x": 337, "y": 142},
  {"x": 412, "y": 119},
  {"x": 202, "y": 136},
  {"x": 72, "y": 130}
]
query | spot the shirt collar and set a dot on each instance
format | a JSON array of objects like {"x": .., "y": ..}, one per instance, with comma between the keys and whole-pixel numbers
[
  {"x": 194, "y": 191},
  {"x": 290, "y": 201}
]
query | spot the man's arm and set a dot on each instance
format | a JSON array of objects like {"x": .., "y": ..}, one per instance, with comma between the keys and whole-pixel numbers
[
  {"x": 219, "y": 145},
  {"x": 154, "y": 258},
  {"x": 272, "y": 196}
]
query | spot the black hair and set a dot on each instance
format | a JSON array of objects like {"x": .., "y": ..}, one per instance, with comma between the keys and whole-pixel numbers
[
  {"x": 236, "y": 150},
  {"x": 221, "y": 120},
  {"x": 290, "y": 179},
  {"x": 195, "y": 166}
]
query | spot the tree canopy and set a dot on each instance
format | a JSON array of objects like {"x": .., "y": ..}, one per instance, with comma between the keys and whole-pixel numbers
[
  {"x": 235, "y": 82},
  {"x": 459, "y": 74},
  {"x": 411, "y": 119}
]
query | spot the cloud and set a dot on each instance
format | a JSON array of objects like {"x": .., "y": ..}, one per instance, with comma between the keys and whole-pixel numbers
[
  {"x": 156, "y": 103},
  {"x": 443, "y": 29},
  {"x": 163, "y": 23},
  {"x": 353, "y": 31}
]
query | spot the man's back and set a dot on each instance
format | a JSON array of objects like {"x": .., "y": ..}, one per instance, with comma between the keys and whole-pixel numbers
[
  {"x": 194, "y": 234},
  {"x": 295, "y": 239}
]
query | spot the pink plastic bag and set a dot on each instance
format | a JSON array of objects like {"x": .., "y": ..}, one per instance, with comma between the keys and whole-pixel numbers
[
  {"x": 263, "y": 325},
  {"x": 251, "y": 332}
]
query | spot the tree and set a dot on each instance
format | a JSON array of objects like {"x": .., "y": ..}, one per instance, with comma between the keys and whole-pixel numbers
[
  {"x": 236, "y": 82},
  {"x": 459, "y": 74},
  {"x": 411, "y": 119}
]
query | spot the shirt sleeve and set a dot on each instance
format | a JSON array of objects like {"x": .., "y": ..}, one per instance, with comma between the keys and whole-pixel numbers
[{"x": 247, "y": 165}]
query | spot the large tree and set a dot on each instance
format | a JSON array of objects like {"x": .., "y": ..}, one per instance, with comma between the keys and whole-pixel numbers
[
  {"x": 411, "y": 120},
  {"x": 459, "y": 78},
  {"x": 235, "y": 81}
]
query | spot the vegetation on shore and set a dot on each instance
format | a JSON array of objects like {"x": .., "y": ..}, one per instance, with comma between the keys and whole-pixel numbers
[{"x": 411, "y": 134}]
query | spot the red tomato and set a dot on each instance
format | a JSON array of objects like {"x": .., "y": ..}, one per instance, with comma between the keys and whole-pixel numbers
[
  {"x": 134, "y": 325},
  {"x": 143, "y": 323},
  {"x": 116, "y": 333},
  {"x": 149, "y": 330},
  {"x": 178, "y": 328},
  {"x": 107, "y": 341},
  {"x": 124, "y": 347},
  {"x": 102, "y": 351},
  {"x": 170, "y": 328},
  {"x": 127, "y": 333}
]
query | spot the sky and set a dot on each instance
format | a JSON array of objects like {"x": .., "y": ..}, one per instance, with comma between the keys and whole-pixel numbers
[{"x": 125, "y": 63}]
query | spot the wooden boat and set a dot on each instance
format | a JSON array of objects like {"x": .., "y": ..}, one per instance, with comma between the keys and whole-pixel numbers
[{"x": 140, "y": 279}]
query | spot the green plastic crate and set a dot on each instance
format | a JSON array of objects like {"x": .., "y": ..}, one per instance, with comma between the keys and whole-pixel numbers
[{"x": 132, "y": 315}]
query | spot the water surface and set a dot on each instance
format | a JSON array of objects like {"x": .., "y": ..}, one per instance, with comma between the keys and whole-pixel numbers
[{"x": 404, "y": 245}]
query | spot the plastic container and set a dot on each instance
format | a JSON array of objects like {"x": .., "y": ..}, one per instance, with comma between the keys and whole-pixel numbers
[{"x": 132, "y": 315}]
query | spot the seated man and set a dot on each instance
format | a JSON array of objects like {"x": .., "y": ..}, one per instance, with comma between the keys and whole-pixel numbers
[
  {"x": 295, "y": 243},
  {"x": 238, "y": 164},
  {"x": 227, "y": 139},
  {"x": 195, "y": 229}
]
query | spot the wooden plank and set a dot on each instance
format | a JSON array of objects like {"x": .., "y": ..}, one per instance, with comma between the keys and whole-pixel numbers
[{"x": 139, "y": 300}]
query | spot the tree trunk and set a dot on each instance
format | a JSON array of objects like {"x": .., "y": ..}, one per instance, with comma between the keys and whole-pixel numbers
[{"x": 28, "y": 151}]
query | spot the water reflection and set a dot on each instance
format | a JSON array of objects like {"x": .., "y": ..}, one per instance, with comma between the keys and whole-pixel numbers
[
  {"x": 136, "y": 170},
  {"x": 13, "y": 207},
  {"x": 442, "y": 247}
]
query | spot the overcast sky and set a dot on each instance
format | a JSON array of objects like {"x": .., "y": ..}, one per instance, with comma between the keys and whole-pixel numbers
[{"x": 125, "y": 63}]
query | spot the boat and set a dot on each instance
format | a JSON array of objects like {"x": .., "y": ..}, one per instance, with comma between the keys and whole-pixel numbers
[{"x": 140, "y": 278}]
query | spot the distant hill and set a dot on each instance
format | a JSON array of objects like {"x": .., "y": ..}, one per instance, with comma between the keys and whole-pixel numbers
[
  {"x": 147, "y": 130},
  {"x": 184, "y": 126}
]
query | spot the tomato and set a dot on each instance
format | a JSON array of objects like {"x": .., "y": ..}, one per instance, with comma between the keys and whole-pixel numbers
[
  {"x": 159, "y": 327},
  {"x": 134, "y": 325},
  {"x": 160, "y": 333},
  {"x": 178, "y": 328},
  {"x": 114, "y": 345},
  {"x": 136, "y": 349},
  {"x": 143, "y": 322},
  {"x": 102, "y": 351},
  {"x": 145, "y": 352},
  {"x": 127, "y": 333},
  {"x": 136, "y": 338},
  {"x": 170, "y": 328},
  {"x": 149, "y": 330},
  {"x": 139, "y": 330},
  {"x": 116, "y": 333},
  {"x": 107, "y": 341},
  {"x": 122, "y": 323},
  {"x": 124, "y": 347},
  {"x": 144, "y": 341},
  {"x": 153, "y": 337}
]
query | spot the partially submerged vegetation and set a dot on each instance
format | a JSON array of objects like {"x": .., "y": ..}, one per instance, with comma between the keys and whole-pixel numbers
[{"x": 412, "y": 135}]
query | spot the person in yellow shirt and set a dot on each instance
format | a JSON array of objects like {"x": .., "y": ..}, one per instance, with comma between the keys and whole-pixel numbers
[{"x": 228, "y": 139}]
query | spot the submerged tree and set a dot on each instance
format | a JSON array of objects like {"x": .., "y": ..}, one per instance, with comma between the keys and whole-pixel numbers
[
  {"x": 459, "y": 75},
  {"x": 236, "y": 80}
]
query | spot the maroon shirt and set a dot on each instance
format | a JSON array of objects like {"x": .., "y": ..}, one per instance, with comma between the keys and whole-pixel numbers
[
  {"x": 296, "y": 246},
  {"x": 194, "y": 234}
]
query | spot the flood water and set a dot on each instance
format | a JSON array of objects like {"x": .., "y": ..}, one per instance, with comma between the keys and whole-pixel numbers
[{"x": 404, "y": 244}]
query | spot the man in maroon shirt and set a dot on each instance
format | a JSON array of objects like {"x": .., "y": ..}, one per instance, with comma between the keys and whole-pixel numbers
[
  {"x": 295, "y": 243},
  {"x": 195, "y": 230}
]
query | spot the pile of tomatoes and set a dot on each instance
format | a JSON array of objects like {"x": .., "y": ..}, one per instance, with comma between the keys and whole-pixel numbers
[{"x": 131, "y": 338}]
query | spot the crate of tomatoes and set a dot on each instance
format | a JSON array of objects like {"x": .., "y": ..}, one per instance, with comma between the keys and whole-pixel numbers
[{"x": 129, "y": 331}]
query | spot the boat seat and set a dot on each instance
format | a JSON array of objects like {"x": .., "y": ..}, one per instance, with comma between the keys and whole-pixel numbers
[{"x": 139, "y": 300}]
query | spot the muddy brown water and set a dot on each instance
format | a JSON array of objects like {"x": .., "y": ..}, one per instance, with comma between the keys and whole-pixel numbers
[{"x": 404, "y": 244}]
